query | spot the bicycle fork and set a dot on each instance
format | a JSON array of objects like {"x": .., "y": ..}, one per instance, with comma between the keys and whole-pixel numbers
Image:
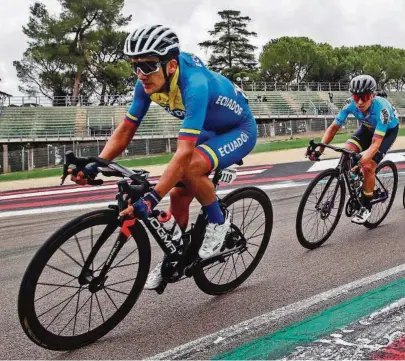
[
  {"x": 87, "y": 274},
  {"x": 326, "y": 207}
]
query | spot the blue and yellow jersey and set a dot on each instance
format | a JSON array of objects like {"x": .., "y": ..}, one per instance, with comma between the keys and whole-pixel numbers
[
  {"x": 381, "y": 115},
  {"x": 202, "y": 98}
]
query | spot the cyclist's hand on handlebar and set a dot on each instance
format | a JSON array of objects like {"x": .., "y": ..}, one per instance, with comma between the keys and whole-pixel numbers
[
  {"x": 79, "y": 178},
  {"x": 82, "y": 177},
  {"x": 314, "y": 156},
  {"x": 129, "y": 211},
  {"x": 143, "y": 207}
]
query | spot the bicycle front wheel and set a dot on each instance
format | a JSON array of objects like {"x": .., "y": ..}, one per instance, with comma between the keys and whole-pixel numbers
[
  {"x": 57, "y": 307},
  {"x": 320, "y": 209},
  {"x": 252, "y": 223}
]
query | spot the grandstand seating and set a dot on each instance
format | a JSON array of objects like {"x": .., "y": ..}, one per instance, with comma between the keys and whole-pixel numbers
[
  {"x": 51, "y": 122},
  {"x": 17, "y": 122}
]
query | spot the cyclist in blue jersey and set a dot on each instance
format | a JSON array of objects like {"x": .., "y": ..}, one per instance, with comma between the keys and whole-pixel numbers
[
  {"x": 378, "y": 131},
  {"x": 218, "y": 130}
]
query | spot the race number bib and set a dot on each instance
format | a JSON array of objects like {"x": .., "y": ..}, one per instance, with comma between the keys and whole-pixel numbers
[{"x": 228, "y": 175}]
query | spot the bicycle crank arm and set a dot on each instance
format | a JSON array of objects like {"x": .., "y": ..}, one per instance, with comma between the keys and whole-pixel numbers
[{"x": 161, "y": 288}]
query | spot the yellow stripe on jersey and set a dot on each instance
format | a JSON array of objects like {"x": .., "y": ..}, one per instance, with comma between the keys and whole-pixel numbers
[{"x": 191, "y": 131}]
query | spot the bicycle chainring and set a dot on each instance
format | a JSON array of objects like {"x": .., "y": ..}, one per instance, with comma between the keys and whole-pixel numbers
[{"x": 352, "y": 207}]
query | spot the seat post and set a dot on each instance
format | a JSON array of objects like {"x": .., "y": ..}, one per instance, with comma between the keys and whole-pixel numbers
[{"x": 217, "y": 177}]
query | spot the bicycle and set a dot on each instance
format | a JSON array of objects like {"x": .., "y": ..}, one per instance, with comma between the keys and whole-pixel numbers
[
  {"x": 55, "y": 271},
  {"x": 328, "y": 204}
]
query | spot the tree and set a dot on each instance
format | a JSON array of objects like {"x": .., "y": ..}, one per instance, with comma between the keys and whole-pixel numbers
[
  {"x": 59, "y": 58},
  {"x": 288, "y": 59},
  {"x": 300, "y": 59},
  {"x": 77, "y": 22},
  {"x": 108, "y": 67},
  {"x": 232, "y": 54}
]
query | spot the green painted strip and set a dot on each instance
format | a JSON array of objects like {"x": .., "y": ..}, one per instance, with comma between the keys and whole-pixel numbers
[{"x": 283, "y": 342}]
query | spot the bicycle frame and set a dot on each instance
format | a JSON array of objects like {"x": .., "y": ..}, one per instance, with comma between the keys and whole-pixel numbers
[
  {"x": 343, "y": 168},
  {"x": 176, "y": 254}
]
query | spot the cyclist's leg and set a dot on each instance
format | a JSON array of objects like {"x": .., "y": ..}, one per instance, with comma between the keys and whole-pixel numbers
[
  {"x": 180, "y": 198},
  {"x": 218, "y": 152},
  {"x": 358, "y": 142},
  {"x": 370, "y": 167}
]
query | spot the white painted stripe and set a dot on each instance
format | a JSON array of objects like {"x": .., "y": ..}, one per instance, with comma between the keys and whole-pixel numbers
[
  {"x": 261, "y": 322},
  {"x": 91, "y": 189},
  {"x": 288, "y": 184},
  {"x": 332, "y": 163},
  {"x": 59, "y": 191},
  {"x": 324, "y": 164}
]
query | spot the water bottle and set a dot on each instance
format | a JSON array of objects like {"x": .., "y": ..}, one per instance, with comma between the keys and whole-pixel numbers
[
  {"x": 171, "y": 226},
  {"x": 354, "y": 176}
]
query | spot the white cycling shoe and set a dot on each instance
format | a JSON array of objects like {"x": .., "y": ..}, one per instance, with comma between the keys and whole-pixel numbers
[
  {"x": 362, "y": 216},
  {"x": 214, "y": 238}
]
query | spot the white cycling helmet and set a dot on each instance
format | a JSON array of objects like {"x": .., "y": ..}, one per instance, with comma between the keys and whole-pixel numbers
[
  {"x": 362, "y": 84},
  {"x": 152, "y": 40}
]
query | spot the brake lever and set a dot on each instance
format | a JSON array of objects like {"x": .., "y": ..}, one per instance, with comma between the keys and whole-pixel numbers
[
  {"x": 69, "y": 159},
  {"x": 80, "y": 163}
]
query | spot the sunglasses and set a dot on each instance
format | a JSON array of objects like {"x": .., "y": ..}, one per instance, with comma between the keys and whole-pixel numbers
[
  {"x": 364, "y": 97},
  {"x": 147, "y": 67}
]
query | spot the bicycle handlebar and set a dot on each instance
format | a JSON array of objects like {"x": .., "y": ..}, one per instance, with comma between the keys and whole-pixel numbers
[
  {"x": 312, "y": 146},
  {"x": 139, "y": 185}
]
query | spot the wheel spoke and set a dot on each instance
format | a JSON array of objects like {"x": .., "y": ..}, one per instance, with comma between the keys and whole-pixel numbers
[
  {"x": 63, "y": 308},
  {"x": 99, "y": 307},
  {"x": 77, "y": 307},
  {"x": 117, "y": 283},
  {"x": 114, "y": 290},
  {"x": 61, "y": 271},
  {"x": 60, "y": 286},
  {"x": 91, "y": 307},
  {"x": 75, "y": 316},
  {"x": 66, "y": 299},
  {"x": 110, "y": 298},
  {"x": 226, "y": 263},
  {"x": 80, "y": 248}
]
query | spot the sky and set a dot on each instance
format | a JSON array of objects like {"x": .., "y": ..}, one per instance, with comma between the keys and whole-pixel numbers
[{"x": 342, "y": 22}]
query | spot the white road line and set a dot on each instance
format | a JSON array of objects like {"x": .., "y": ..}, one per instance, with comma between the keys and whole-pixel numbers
[
  {"x": 256, "y": 324},
  {"x": 58, "y": 192},
  {"x": 91, "y": 189},
  {"x": 287, "y": 184}
]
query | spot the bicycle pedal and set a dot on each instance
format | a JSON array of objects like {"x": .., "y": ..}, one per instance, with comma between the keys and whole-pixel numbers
[{"x": 161, "y": 288}]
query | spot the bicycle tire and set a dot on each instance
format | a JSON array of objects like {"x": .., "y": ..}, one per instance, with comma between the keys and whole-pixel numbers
[
  {"x": 26, "y": 298},
  {"x": 392, "y": 165},
  {"x": 200, "y": 278},
  {"x": 298, "y": 224}
]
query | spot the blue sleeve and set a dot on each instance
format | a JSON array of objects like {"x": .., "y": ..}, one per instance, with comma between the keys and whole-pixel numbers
[
  {"x": 139, "y": 106},
  {"x": 344, "y": 112},
  {"x": 195, "y": 100}
]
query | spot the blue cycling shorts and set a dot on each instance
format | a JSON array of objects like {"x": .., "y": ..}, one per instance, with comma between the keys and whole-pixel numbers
[
  {"x": 363, "y": 137},
  {"x": 222, "y": 149}
]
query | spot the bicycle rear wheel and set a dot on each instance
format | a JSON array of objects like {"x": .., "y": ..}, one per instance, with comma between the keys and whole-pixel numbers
[
  {"x": 60, "y": 311},
  {"x": 252, "y": 223},
  {"x": 320, "y": 209},
  {"x": 386, "y": 182}
]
